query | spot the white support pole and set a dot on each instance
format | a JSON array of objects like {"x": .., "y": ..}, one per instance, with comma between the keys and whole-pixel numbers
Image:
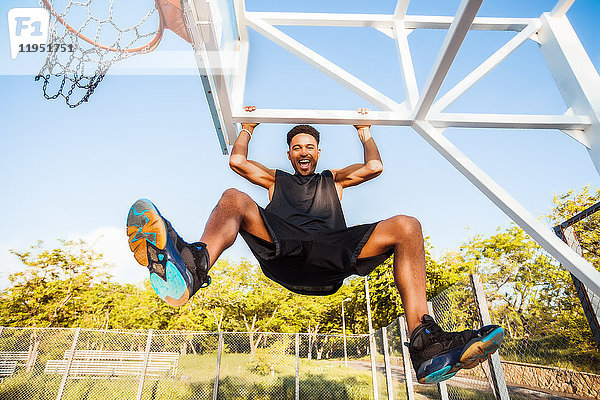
[
  {"x": 69, "y": 362},
  {"x": 442, "y": 387},
  {"x": 239, "y": 7},
  {"x": 488, "y": 65},
  {"x": 401, "y": 7},
  {"x": 324, "y": 19},
  {"x": 509, "y": 121},
  {"x": 406, "y": 64},
  {"x": 297, "y": 349},
  {"x": 388, "y": 365},
  {"x": 573, "y": 124},
  {"x": 218, "y": 367},
  {"x": 403, "y": 327},
  {"x": 479, "y": 23},
  {"x": 561, "y": 8},
  {"x": 239, "y": 80},
  {"x": 341, "y": 117},
  {"x": 454, "y": 38},
  {"x": 384, "y": 21},
  {"x": 574, "y": 74},
  {"x": 322, "y": 64},
  {"x": 372, "y": 345},
  {"x": 540, "y": 233},
  {"x": 145, "y": 365},
  {"x": 498, "y": 382}
]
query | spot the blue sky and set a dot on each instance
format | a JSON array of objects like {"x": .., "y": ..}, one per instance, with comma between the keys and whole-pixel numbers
[{"x": 70, "y": 173}]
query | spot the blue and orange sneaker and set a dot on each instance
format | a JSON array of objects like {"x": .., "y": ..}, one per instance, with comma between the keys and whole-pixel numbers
[
  {"x": 438, "y": 355},
  {"x": 177, "y": 269}
]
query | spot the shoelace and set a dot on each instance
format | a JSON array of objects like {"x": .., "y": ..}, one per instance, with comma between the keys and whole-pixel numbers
[{"x": 438, "y": 335}]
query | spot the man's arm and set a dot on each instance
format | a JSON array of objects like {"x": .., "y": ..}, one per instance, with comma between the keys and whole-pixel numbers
[
  {"x": 372, "y": 166},
  {"x": 251, "y": 170}
]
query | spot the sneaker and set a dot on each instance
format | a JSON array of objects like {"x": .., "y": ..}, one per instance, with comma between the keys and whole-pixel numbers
[
  {"x": 177, "y": 269},
  {"x": 438, "y": 355}
]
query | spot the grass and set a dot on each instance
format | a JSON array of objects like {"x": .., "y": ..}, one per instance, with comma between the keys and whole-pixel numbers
[{"x": 263, "y": 377}]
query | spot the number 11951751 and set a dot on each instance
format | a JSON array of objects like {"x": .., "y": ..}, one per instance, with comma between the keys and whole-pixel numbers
[{"x": 50, "y": 48}]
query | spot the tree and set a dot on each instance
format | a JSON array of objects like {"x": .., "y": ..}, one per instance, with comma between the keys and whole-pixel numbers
[
  {"x": 52, "y": 289},
  {"x": 588, "y": 230}
]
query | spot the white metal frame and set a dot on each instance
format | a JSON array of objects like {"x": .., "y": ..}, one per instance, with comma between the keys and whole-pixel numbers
[{"x": 574, "y": 73}]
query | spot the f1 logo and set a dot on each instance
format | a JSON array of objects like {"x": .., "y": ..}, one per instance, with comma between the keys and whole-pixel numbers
[{"x": 27, "y": 26}]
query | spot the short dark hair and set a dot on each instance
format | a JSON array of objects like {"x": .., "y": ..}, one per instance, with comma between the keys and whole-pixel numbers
[{"x": 306, "y": 129}]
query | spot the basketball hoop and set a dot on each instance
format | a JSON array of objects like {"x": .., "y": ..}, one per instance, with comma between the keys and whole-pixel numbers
[{"x": 75, "y": 74}]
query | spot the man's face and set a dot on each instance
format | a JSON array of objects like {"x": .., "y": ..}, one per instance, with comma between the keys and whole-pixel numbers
[{"x": 304, "y": 154}]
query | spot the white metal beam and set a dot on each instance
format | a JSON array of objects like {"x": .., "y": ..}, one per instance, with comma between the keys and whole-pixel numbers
[
  {"x": 401, "y": 7},
  {"x": 402, "y": 118},
  {"x": 561, "y": 8},
  {"x": 239, "y": 7},
  {"x": 509, "y": 121},
  {"x": 578, "y": 135},
  {"x": 479, "y": 23},
  {"x": 582, "y": 269},
  {"x": 485, "y": 67},
  {"x": 239, "y": 80},
  {"x": 409, "y": 78},
  {"x": 324, "y": 19},
  {"x": 574, "y": 74},
  {"x": 387, "y": 21},
  {"x": 454, "y": 38},
  {"x": 324, "y": 65},
  {"x": 340, "y": 117}
]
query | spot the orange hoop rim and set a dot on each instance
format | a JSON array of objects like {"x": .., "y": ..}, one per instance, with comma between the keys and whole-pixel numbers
[{"x": 142, "y": 49}]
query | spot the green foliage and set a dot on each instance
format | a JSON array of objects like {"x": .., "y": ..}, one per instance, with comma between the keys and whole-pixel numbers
[
  {"x": 58, "y": 287},
  {"x": 67, "y": 287},
  {"x": 588, "y": 234}
]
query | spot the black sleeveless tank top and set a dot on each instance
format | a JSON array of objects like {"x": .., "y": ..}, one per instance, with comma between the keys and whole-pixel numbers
[{"x": 309, "y": 202}]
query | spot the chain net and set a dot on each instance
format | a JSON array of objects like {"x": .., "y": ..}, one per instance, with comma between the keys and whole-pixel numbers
[{"x": 87, "y": 37}]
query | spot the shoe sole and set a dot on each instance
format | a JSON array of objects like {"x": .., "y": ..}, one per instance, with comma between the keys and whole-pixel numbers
[
  {"x": 153, "y": 248},
  {"x": 481, "y": 350},
  {"x": 475, "y": 352}
]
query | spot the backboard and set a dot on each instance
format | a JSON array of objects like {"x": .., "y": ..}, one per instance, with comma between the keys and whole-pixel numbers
[{"x": 215, "y": 37}]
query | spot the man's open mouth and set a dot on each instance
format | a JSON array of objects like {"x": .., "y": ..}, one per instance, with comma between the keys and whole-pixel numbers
[{"x": 304, "y": 164}]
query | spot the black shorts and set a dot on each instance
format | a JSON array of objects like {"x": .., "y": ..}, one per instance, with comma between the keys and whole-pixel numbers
[{"x": 312, "y": 263}]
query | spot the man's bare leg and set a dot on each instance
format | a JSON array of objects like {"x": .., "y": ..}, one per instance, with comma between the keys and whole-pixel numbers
[
  {"x": 235, "y": 211},
  {"x": 403, "y": 234},
  {"x": 436, "y": 355}
]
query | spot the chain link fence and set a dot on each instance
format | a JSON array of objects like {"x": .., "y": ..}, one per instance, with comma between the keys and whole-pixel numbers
[
  {"x": 66, "y": 364},
  {"x": 55, "y": 363},
  {"x": 549, "y": 352}
]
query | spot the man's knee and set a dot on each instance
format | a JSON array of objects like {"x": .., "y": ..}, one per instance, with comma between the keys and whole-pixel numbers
[
  {"x": 234, "y": 199},
  {"x": 406, "y": 226}
]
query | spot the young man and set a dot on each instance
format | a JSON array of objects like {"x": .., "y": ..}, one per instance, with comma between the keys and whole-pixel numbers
[{"x": 301, "y": 241}]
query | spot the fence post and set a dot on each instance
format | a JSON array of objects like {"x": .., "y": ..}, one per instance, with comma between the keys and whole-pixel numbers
[
  {"x": 63, "y": 382},
  {"x": 442, "y": 389},
  {"x": 497, "y": 374},
  {"x": 388, "y": 366},
  {"x": 297, "y": 366},
  {"x": 566, "y": 233},
  {"x": 218, "y": 372},
  {"x": 372, "y": 345},
  {"x": 145, "y": 364},
  {"x": 32, "y": 351},
  {"x": 410, "y": 393}
]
